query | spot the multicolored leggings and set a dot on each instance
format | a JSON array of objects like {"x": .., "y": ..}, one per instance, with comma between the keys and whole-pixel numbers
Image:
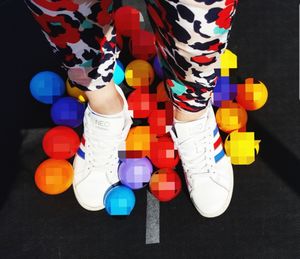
[{"x": 190, "y": 37}]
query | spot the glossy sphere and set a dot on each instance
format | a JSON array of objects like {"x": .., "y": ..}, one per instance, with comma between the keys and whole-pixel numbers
[
  {"x": 141, "y": 103},
  {"x": 119, "y": 74},
  {"x": 165, "y": 184},
  {"x": 54, "y": 176},
  {"x": 61, "y": 142},
  {"x": 135, "y": 173},
  {"x": 127, "y": 21},
  {"x": 67, "y": 111},
  {"x": 75, "y": 92},
  {"x": 231, "y": 116},
  {"x": 163, "y": 154},
  {"x": 252, "y": 96},
  {"x": 142, "y": 45},
  {"x": 119, "y": 201},
  {"x": 47, "y": 87},
  {"x": 139, "y": 73},
  {"x": 157, "y": 67}
]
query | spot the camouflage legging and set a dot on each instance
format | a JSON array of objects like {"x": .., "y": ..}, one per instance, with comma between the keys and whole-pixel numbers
[{"x": 190, "y": 36}]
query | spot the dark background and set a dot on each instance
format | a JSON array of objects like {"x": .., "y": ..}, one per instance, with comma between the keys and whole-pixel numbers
[{"x": 263, "y": 220}]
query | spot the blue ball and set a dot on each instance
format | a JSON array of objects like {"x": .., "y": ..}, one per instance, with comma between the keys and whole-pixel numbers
[
  {"x": 68, "y": 111},
  {"x": 47, "y": 87},
  {"x": 119, "y": 74},
  {"x": 157, "y": 68},
  {"x": 119, "y": 201}
]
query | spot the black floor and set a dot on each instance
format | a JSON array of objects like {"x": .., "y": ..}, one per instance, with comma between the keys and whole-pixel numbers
[{"x": 263, "y": 220}]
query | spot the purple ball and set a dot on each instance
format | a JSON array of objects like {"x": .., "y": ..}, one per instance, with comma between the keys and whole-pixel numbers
[
  {"x": 224, "y": 91},
  {"x": 135, "y": 173},
  {"x": 157, "y": 67}
]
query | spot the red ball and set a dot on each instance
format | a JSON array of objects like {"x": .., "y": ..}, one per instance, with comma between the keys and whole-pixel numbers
[
  {"x": 141, "y": 102},
  {"x": 163, "y": 154},
  {"x": 158, "y": 121},
  {"x": 127, "y": 21},
  {"x": 119, "y": 41},
  {"x": 142, "y": 45},
  {"x": 61, "y": 142},
  {"x": 165, "y": 184}
]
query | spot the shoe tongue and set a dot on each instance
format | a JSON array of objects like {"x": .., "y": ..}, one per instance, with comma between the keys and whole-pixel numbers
[{"x": 186, "y": 129}]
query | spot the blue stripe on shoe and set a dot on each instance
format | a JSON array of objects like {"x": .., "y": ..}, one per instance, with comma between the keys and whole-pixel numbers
[
  {"x": 81, "y": 153},
  {"x": 216, "y": 131},
  {"x": 219, "y": 156}
]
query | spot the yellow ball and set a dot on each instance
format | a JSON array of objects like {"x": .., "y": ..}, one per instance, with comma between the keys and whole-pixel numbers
[
  {"x": 241, "y": 147},
  {"x": 75, "y": 92},
  {"x": 139, "y": 73}
]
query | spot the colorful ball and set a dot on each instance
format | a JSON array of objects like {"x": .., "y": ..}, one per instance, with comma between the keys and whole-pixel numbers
[
  {"x": 224, "y": 91},
  {"x": 61, "y": 142},
  {"x": 142, "y": 21},
  {"x": 161, "y": 93},
  {"x": 158, "y": 121},
  {"x": 47, "y": 87},
  {"x": 119, "y": 201},
  {"x": 165, "y": 184},
  {"x": 158, "y": 68},
  {"x": 139, "y": 73},
  {"x": 138, "y": 142},
  {"x": 75, "y": 92},
  {"x": 163, "y": 154},
  {"x": 54, "y": 176},
  {"x": 135, "y": 173},
  {"x": 67, "y": 111},
  {"x": 119, "y": 41},
  {"x": 252, "y": 96},
  {"x": 119, "y": 74},
  {"x": 141, "y": 103},
  {"x": 142, "y": 45},
  {"x": 231, "y": 116},
  {"x": 127, "y": 21}
]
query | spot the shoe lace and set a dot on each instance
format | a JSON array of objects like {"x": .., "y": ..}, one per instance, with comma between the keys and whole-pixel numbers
[
  {"x": 102, "y": 147},
  {"x": 200, "y": 162}
]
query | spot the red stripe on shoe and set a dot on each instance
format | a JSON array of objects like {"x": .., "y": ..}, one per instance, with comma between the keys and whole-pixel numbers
[{"x": 218, "y": 142}]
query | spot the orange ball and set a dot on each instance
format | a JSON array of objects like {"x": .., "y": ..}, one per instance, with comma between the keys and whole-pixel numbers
[
  {"x": 252, "y": 96},
  {"x": 231, "y": 116},
  {"x": 75, "y": 92},
  {"x": 54, "y": 176},
  {"x": 139, "y": 73}
]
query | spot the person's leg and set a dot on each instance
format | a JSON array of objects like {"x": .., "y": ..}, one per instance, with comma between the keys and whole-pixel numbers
[
  {"x": 190, "y": 36},
  {"x": 81, "y": 33}
]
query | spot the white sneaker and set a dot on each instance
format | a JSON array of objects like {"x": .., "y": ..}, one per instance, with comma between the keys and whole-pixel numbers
[
  {"x": 96, "y": 162},
  {"x": 207, "y": 169}
]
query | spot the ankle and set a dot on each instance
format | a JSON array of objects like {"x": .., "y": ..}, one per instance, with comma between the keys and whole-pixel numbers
[
  {"x": 185, "y": 116},
  {"x": 108, "y": 106}
]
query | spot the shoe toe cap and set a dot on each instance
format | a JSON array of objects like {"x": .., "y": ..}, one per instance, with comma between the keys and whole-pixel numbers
[
  {"x": 90, "y": 191},
  {"x": 210, "y": 199}
]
